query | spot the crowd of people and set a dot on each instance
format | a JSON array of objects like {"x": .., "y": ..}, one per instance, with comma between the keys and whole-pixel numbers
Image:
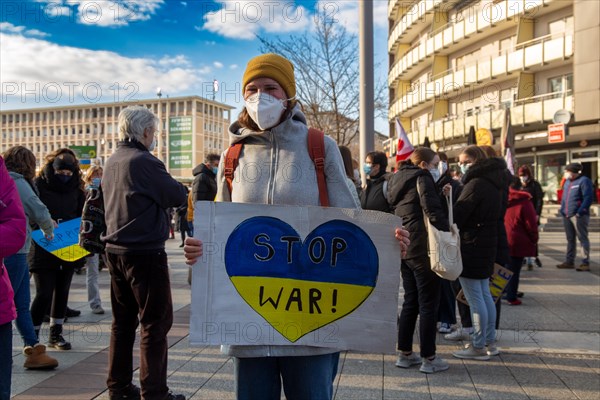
[{"x": 497, "y": 215}]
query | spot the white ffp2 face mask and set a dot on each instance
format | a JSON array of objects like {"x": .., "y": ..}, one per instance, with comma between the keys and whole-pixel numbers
[
  {"x": 152, "y": 145},
  {"x": 264, "y": 109}
]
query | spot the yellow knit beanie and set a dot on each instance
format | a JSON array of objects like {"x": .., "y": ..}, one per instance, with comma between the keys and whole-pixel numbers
[{"x": 272, "y": 66}]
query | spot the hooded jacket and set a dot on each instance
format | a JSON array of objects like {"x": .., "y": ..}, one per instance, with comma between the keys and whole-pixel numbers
[
  {"x": 137, "y": 192},
  {"x": 577, "y": 197},
  {"x": 521, "y": 224},
  {"x": 477, "y": 215},
  {"x": 64, "y": 201},
  {"x": 204, "y": 186},
  {"x": 12, "y": 237},
  {"x": 413, "y": 206},
  {"x": 275, "y": 168},
  {"x": 35, "y": 211}
]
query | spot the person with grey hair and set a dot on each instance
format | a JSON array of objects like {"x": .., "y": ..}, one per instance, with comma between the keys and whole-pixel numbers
[{"x": 138, "y": 190}]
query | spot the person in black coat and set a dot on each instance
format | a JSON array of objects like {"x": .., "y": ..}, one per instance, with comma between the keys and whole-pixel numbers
[
  {"x": 414, "y": 196},
  {"x": 373, "y": 196},
  {"x": 204, "y": 186},
  {"x": 533, "y": 187},
  {"x": 61, "y": 189},
  {"x": 477, "y": 214}
]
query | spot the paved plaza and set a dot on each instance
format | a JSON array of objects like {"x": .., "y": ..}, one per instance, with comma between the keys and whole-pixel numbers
[{"x": 550, "y": 348}]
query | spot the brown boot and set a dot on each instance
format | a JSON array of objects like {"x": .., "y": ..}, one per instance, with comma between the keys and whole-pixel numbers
[
  {"x": 566, "y": 265},
  {"x": 583, "y": 267},
  {"x": 36, "y": 358}
]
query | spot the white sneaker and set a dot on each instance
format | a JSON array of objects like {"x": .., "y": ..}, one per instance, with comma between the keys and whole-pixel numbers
[
  {"x": 458, "y": 335},
  {"x": 433, "y": 366},
  {"x": 444, "y": 328},
  {"x": 492, "y": 350},
  {"x": 98, "y": 310},
  {"x": 407, "y": 361},
  {"x": 472, "y": 353}
]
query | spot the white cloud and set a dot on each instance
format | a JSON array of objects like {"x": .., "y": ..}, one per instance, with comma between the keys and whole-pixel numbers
[
  {"x": 244, "y": 19},
  {"x": 347, "y": 15},
  {"x": 103, "y": 12},
  {"x": 7, "y": 27},
  {"x": 54, "y": 71},
  {"x": 207, "y": 42},
  {"x": 218, "y": 64},
  {"x": 184, "y": 3},
  {"x": 233, "y": 66}
]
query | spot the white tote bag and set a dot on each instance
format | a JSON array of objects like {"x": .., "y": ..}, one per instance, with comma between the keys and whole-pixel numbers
[{"x": 444, "y": 247}]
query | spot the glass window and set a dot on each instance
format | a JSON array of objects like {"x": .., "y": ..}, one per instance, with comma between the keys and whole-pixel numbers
[{"x": 555, "y": 84}]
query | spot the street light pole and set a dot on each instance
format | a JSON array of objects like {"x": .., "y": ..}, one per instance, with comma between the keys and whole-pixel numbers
[{"x": 366, "y": 78}]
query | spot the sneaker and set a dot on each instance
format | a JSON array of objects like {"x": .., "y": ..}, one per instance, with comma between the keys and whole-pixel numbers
[
  {"x": 132, "y": 392},
  {"x": 520, "y": 294},
  {"x": 457, "y": 335},
  {"x": 492, "y": 350},
  {"x": 37, "y": 358},
  {"x": 172, "y": 396},
  {"x": 433, "y": 366},
  {"x": 515, "y": 302},
  {"x": 472, "y": 353},
  {"x": 538, "y": 262},
  {"x": 583, "y": 267},
  {"x": 98, "y": 310},
  {"x": 529, "y": 267},
  {"x": 407, "y": 361},
  {"x": 444, "y": 328},
  {"x": 56, "y": 340},
  {"x": 566, "y": 265},
  {"x": 72, "y": 313}
]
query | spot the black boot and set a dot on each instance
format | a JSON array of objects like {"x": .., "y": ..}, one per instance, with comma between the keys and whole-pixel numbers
[{"x": 56, "y": 340}]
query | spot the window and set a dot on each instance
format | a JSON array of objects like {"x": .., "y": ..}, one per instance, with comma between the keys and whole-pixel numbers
[
  {"x": 560, "y": 84},
  {"x": 556, "y": 28}
]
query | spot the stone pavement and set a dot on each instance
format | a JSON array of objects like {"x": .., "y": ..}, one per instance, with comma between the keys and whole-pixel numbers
[{"x": 550, "y": 348}]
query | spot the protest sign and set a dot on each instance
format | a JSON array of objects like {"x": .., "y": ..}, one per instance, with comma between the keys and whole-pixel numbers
[
  {"x": 498, "y": 282},
  {"x": 291, "y": 275},
  {"x": 64, "y": 245}
]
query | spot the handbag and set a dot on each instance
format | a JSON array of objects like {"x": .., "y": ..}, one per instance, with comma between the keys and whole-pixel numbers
[
  {"x": 444, "y": 247},
  {"x": 93, "y": 223}
]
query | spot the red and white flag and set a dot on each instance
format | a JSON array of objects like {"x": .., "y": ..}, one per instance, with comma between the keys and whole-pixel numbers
[{"x": 405, "y": 148}]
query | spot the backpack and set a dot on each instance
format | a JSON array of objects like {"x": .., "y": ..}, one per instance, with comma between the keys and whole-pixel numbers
[
  {"x": 316, "y": 150},
  {"x": 93, "y": 223}
]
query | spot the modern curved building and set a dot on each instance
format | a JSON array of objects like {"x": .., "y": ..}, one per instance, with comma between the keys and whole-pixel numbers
[{"x": 454, "y": 64}]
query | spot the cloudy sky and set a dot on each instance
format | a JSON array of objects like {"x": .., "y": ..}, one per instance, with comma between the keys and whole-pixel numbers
[{"x": 58, "y": 52}]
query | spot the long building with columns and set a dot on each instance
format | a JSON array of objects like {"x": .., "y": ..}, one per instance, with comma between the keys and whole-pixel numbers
[{"x": 190, "y": 128}]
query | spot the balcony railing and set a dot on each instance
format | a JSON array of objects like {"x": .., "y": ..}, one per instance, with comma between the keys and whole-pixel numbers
[
  {"x": 412, "y": 16},
  {"x": 474, "y": 22},
  {"x": 525, "y": 55},
  {"x": 537, "y": 109}
]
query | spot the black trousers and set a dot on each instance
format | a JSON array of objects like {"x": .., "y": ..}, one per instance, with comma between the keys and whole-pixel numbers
[
  {"x": 52, "y": 287},
  {"x": 140, "y": 293},
  {"x": 421, "y": 299}
]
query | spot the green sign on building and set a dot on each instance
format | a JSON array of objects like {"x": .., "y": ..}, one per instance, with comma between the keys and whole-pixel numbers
[{"x": 180, "y": 143}]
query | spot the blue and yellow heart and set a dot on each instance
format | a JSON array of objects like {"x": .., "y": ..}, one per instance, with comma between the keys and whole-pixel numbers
[{"x": 298, "y": 285}]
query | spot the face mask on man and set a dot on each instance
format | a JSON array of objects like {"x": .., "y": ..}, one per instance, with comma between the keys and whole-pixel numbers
[
  {"x": 264, "y": 109},
  {"x": 64, "y": 178},
  {"x": 442, "y": 167},
  {"x": 215, "y": 170},
  {"x": 152, "y": 145},
  {"x": 435, "y": 172},
  {"x": 367, "y": 168}
]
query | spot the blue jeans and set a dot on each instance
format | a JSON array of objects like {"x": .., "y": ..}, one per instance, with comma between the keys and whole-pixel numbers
[
  {"x": 483, "y": 310},
  {"x": 577, "y": 227},
  {"x": 92, "y": 263},
  {"x": 304, "y": 377},
  {"x": 5, "y": 360},
  {"x": 18, "y": 271}
]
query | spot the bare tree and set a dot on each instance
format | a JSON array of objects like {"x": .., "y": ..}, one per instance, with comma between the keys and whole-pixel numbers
[{"x": 327, "y": 76}]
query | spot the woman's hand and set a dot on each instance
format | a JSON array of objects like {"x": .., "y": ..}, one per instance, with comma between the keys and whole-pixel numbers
[
  {"x": 402, "y": 238},
  {"x": 446, "y": 189},
  {"x": 192, "y": 250}
]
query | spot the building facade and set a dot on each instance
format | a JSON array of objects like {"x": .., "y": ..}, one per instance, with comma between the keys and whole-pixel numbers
[
  {"x": 190, "y": 128},
  {"x": 454, "y": 64}
]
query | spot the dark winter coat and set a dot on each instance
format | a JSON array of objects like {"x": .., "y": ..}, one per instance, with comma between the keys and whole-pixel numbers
[
  {"x": 577, "y": 196},
  {"x": 64, "y": 202},
  {"x": 411, "y": 207},
  {"x": 477, "y": 214},
  {"x": 503, "y": 252},
  {"x": 138, "y": 190},
  {"x": 372, "y": 197},
  {"x": 456, "y": 190},
  {"x": 204, "y": 186},
  {"x": 537, "y": 195},
  {"x": 521, "y": 224}
]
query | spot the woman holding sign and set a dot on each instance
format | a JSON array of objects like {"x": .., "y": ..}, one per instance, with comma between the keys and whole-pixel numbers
[
  {"x": 274, "y": 134},
  {"x": 61, "y": 190}
]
